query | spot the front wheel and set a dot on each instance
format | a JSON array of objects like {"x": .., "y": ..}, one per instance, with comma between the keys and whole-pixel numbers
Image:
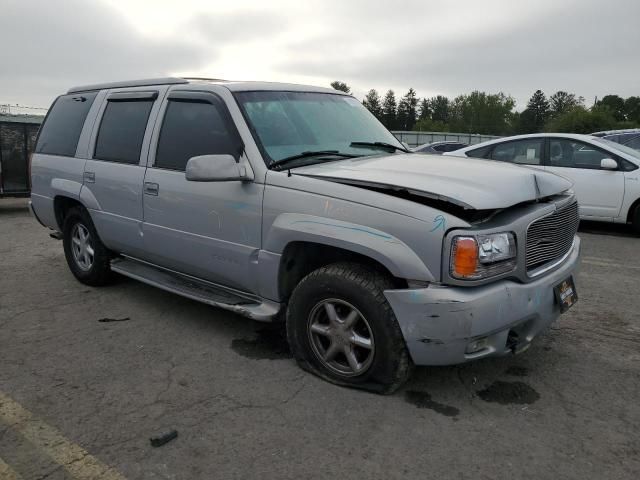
[
  {"x": 341, "y": 328},
  {"x": 88, "y": 258},
  {"x": 635, "y": 220}
]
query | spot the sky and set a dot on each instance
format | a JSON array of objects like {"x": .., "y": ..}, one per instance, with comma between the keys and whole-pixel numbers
[{"x": 438, "y": 47}]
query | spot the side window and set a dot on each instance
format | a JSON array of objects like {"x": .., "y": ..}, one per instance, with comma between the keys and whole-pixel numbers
[
  {"x": 122, "y": 130},
  {"x": 441, "y": 148},
  {"x": 634, "y": 143},
  {"x": 481, "y": 152},
  {"x": 523, "y": 152},
  {"x": 564, "y": 152},
  {"x": 61, "y": 130},
  {"x": 192, "y": 128}
]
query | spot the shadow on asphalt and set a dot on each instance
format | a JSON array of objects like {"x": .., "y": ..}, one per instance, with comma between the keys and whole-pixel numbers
[{"x": 601, "y": 228}]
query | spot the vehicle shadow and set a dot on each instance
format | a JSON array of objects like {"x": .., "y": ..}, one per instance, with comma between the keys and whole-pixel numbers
[
  {"x": 602, "y": 228},
  {"x": 14, "y": 205}
]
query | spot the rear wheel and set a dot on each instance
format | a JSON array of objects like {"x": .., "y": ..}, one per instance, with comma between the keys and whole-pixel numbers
[
  {"x": 341, "y": 328},
  {"x": 87, "y": 257}
]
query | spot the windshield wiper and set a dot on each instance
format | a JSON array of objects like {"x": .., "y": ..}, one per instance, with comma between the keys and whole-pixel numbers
[
  {"x": 279, "y": 164},
  {"x": 383, "y": 145}
]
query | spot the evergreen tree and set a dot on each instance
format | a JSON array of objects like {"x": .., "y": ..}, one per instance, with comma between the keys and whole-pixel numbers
[
  {"x": 425, "y": 110},
  {"x": 338, "y": 85},
  {"x": 407, "y": 110},
  {"x": 538, "y": 108},
  {"x": 373, "y": 103},
  {"x": 389, "y": 110}
]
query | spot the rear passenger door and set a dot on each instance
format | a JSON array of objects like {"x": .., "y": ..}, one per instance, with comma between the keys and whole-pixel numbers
[
  {"x": 113, "y": 176},
  {"x": 210, "y": 230}
]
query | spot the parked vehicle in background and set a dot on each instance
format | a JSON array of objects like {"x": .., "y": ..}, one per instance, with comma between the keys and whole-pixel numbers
[
  {"x": 605, "y": 174},
  {"x": 17, "y": 139},
  {"x": 265, "y": 198},
  {"x": 629, "y": 137},
  {"x": 439, "y": 148}
]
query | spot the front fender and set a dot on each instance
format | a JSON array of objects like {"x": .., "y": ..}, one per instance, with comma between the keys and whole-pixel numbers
[{"x": 386, "y": 249}]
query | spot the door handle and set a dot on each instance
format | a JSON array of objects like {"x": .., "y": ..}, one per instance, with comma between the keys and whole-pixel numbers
[
  {"x": 151, "y": 188},
  {"x": 89, "y": 177}
]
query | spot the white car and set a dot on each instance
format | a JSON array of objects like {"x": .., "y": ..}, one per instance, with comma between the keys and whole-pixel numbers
[{"x": 606, "y": 175}]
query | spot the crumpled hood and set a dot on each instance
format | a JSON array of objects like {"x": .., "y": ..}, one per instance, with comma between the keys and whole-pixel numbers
[{"x": 469, "y": 183}]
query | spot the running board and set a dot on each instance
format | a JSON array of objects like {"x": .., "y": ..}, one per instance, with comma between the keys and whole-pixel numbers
[{"x": 195, "y": 289}]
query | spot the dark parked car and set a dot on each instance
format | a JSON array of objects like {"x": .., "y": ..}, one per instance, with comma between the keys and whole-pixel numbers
[
  {"x": 629, "y": 137},
  {"x": 439, "y": 147}
]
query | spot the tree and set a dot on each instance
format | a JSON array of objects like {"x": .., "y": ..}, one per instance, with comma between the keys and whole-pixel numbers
[
  {"x": 562, "y": 102},
  {"x": 615, "y": 104},
  {"x": 425, "y": 110},
  {"x": 373, "y": 103},
  {"x": 338, "y": 85},
  {"x": 480, "y": 112},
  {"x": 539, "y": 109},
  {"x": 389, "y": 110},
  {"x": 407, "y": 111},
  {"x": 581, "y": 120},
  {"x": 439, "y": 109},
  {"x": 632, "y": 109}
]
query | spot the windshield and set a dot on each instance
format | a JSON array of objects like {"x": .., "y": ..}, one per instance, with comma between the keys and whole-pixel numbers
[
  {"x": 623, "y": 148},
  {"x": 290, "y": 123}
]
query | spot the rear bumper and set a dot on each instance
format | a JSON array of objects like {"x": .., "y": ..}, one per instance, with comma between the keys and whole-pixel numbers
[{"x": 440, "y": 322}]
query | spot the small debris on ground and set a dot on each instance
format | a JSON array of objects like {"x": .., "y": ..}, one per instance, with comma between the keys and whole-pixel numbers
[
  {"x": 163, "y": 438},
  {"x": 105, "y": 320}
]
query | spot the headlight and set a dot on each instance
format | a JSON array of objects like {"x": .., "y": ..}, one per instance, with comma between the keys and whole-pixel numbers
[{"x": 482, "y": 256}]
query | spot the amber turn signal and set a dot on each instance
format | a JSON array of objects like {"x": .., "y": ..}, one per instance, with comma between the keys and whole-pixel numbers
[{"x": 465, "y": 257}]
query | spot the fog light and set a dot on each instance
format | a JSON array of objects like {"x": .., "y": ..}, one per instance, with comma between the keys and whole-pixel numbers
[{"x": 477, "y": 345}]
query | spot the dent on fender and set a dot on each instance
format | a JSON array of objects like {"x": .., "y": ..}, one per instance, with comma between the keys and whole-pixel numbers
[{"x": 381, "y": 246}]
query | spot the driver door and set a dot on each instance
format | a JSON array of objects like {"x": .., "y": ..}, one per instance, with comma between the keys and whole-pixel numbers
[
  {"x": 600, "y": 192},
  {"x": 210, "y": 230}
]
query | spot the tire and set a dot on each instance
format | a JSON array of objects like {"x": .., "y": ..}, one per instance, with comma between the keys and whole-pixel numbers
[
  {"x": 340, "y": 311},
  {"x": 90, "y": 269},
  {"x": 635, "y": 220}
]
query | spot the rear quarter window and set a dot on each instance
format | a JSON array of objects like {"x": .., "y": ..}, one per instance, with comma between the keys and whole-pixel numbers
[
  {"x": 61, "y": 129},
  {"x": 482, "y": 152}
]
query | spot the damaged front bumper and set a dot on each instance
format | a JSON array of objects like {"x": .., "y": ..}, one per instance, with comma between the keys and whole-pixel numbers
[{"x": 446, "y": 325}]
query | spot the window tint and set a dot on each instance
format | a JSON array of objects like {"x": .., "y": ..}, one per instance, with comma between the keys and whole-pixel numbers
[
  {"x": 61, "y": 130},
  {"x": 573, "y": 154},
  {"x": 523, "y": 152},
  {"x": 191, "y": 129},
  {"x": 122, "y": 130},
  {"x": 452, "y": 147},
  {"x": 481, "y": 152},
  {"x": 441, "y": 148}
]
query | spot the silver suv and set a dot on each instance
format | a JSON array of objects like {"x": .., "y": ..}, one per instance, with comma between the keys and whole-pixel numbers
[{"x": 281, "y": 201}]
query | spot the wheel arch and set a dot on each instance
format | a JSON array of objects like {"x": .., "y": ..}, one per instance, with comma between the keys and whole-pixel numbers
[{"x": 306, "y": 242}]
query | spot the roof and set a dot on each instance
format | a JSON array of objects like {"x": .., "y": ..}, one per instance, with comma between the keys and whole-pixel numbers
[
  {"x": 616, "y": 132},
  {"x": 234, "y": 86},
  {"x": 12, "y": 118}
]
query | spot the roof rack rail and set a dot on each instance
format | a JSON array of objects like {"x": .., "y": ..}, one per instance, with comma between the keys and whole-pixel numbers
[{"x": 130, "y": 83}]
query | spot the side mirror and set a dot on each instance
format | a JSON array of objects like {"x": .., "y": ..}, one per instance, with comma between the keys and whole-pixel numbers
[
  {"x": 216, "y": 168},
  {"x": 608, "y": 164}
]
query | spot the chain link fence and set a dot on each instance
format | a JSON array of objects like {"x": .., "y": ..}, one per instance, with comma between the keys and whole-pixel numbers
[{"x": 413, "y": 139}]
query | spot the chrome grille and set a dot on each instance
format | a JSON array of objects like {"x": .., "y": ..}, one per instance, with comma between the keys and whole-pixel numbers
[{"x": 551, "y": 237}]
